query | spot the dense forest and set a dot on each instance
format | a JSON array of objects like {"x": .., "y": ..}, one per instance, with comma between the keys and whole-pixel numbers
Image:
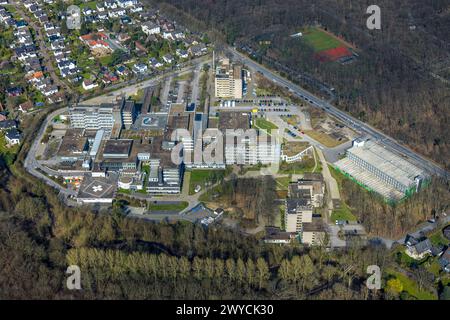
[{"x": 399, "y": 82}]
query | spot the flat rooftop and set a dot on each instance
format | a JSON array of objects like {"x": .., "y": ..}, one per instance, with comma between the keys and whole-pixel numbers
[
  {"x": 368, "y": 179},
  {"x": 296, "y": 193},
  {"x": 97, "y": 188},
  {"x": 74, "y": 142},
  {"x": 177, "y": 121},
  {"x": 316, "y": 225},
  {"x": 293, "y": 204},
  {"x": 234, "y": 120},
  {"x": 157, "y": 152},
  {"x": 117, "y": 147},
  {"x": 387, "y": 162}
]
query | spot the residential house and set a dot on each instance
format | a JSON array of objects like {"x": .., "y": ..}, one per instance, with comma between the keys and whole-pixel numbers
[
  {"x": 168, "y": 35},
  {"x": 25, "y": 52},
  {"x": 14, "y": 92},
  {"x": 123, "y": 37},
  {"x": 168, "y": 58},
  {"x": 198, "y": 50},
  {"x": 57, "y": 45},
  {"x": 100, "y": 6},
  {"x": 49, "y": 26},
  {"x": 418, "y": 249},
  {"x": 125, "y": 20},
  {"x": 136, "y": 9},
  {"x": 87, "y": 11},
  {"x": 122, "y": 71},
  {"x": 110, "y": 4},
  {"x": 155, "y": 63},
  {"x": 50, "y": 90},
  {"x": 150, "y": 27},
  {"x": 7, "y": 124},
  {"x": 182, "y": 53},
  {"x": 126, "y": 3},
  {"x": 13, "y": 136},
  {"x": 25, "y": 107},
  {"x": 444, "y": 260},
  {"x": 89, "y": 85},
  {"x": 446, "y": 232},
  {"x": 140, "y": 68},
  {"x": 116, "y": 13}
]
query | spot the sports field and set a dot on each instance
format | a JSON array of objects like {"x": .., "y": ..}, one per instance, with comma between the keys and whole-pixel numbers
[{"x": 320, "y": 40}]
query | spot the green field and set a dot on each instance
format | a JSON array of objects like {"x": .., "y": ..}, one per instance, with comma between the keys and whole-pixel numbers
[
  {"x": 265, "y": 125},
  {"x": 200, "y": 177},
  {"x": 8, "y": 154},
  {"x": 168, "y": 206},
  {"x": 342, "y": 213},
  {"x": 319, "y": 40},
  {"x": 411, "y": 286},
  {"x": 282, "y": 183},
  {"x": 90, "y": 4}
]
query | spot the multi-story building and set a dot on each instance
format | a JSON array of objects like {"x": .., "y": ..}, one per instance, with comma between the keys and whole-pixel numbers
[
  {"x": 244, "y": 146},
  {"x": 228, "y": 80},
  {"x": 313, "y": 233},
  {"x": 298, "y": 212},
  {"x": 74, "y": 145},
  {"x": 381, "y": 170},
  {"x": 311, "y": 185},
  {"x": 164, "y": 180},
  {"x": 118, "y": 155},
  {"x": 129, "y": 113},
  {"x": 92, "y": 117}
]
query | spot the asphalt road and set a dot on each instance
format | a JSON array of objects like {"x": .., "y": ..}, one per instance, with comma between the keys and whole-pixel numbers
[{"x": 353, "y": 123}]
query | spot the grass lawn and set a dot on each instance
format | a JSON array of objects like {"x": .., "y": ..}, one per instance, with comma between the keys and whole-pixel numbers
[
  {"x": 339, "y": 177},
  {"x": 293, "y": 121},
  {"x": 438, "y": 239},
  {"x": 320, "y": 40},
  {"x": 168, "y": 206},
  {"x": 105, "y": 60},
  {"x": 184, "y": 77},
  {"x": 282, "y": 183},
  {"x": 343, "y": 213},
  {"x": 124, "y": 191},
  {"x": 200, "y": 177},
  {"x": 298, "y": 167},
  {"x": 90, "y": 4},
  {"x": 411, "y": 287},
  {"x": 8, "y": 154},
  {"x": 265, "y": 125},
  {"x": 404, "y": 260},
  {"x": 279, "y": 220},
  {"x": 433, "y": 266},
  {"x": 324, "y": 138}
]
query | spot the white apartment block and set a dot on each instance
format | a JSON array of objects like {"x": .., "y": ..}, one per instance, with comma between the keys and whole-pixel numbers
[
  {"x": 87, "y": 117},
  {"x": 228, "y": 80}
]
